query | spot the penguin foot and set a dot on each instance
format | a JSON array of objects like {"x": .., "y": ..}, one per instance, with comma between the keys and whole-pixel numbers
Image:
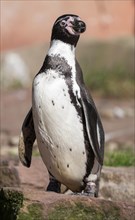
[
  {"x": 54, "y": 186},
  {"x": 90, "y": 190},
  {"x": 84, "y": 194}
]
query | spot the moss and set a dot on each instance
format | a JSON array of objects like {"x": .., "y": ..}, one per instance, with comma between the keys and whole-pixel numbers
[
  {"x": 83, "y": 212},
  {"x": 10, "y": 203},
  {"x": 34, "y": 212}
]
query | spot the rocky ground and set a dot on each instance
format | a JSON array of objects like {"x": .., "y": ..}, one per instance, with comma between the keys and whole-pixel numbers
[{"x": 27, "y": 186}]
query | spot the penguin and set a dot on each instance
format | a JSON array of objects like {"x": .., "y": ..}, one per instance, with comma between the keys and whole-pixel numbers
[{"x": 64, "y": 119}]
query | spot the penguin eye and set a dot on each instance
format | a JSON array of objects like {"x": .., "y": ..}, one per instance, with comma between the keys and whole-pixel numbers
[{"x": 63, "y": 23}]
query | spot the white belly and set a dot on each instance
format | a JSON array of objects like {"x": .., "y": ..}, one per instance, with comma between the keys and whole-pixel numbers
[{"x": 58, "y": 129}]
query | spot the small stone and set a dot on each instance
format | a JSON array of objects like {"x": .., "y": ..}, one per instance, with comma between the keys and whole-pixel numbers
[
  {"x": 4, "y": 163},
  {"x": 129, "y": 112},
  {"x": 112, "y": 146},
  {"x": 107, "y": 113},
  {"x": 119, "y": 112},
  {"x": 4, "y": 136},
  {"x": 9, "y": 176},
  {"x": 13, "y": 141},
  {"x": 20, "y": 72}
]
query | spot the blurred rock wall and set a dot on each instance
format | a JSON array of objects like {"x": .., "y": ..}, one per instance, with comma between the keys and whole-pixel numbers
[{"x": 30, "y": 22}]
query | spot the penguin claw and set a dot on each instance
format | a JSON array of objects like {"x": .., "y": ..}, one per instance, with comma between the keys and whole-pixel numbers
[
  {"x": 89, "y": 194},
  {"x": 91, "y": 190},
  {"x": 84, "y": 194}
]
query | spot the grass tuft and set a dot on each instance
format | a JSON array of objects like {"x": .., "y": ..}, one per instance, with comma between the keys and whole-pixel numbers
[{"x": 120, "y": 158}]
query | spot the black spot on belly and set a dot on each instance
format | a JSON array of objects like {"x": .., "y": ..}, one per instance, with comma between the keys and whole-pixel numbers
[
  {"x": 67, "y": 165},
  {"x": 53, "y": 102},
  {"x": 60, "y": 65},
  {"x": 36, "y": 83},
  {"x": 39, "y": 106},
  {"x": 70, "y": 149},
  {"x": 62, "y": 107}
]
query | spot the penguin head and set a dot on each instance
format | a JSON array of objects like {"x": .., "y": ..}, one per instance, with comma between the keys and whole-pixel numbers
[{"x": 68, "y": 28}]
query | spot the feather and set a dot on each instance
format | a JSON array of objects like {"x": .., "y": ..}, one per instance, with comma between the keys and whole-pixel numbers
[
  {"x": 93, "y": 123},
  {"x": 26, "y": 140}
]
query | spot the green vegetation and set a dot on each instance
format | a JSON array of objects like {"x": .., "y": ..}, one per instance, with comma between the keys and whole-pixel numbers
[
  {"x": 124, "y": 157},
  {"x": 108, "y": 67},
  {"x": 83, "y": 212},
  {"x": 34, "y": 212}
]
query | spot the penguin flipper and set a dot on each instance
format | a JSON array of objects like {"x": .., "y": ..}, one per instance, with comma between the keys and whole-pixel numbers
[
  {"x": 93, "y": 125},
  {"x": 26, "y": 140}
]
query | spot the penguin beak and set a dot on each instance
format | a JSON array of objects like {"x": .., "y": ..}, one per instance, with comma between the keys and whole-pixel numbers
[
  {"x": 75, "y": 26},
  {"x": 78, "y": 26}
]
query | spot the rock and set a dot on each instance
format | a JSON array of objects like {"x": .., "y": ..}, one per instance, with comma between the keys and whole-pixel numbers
[
  {"x": 107, "y": 113},
  {"x": 118, "y": 184},
  {"x": 112, "y": 146},
  {"x": 36, "y": 176},
  {"x": 4, "y": 136},
  {"x": 49, "y": 205},
  {"x": 9, "y": 151},
  {"x": 9, "y": 175},
  {"x": 118, "y": 112},
  {"x": 14, "y": 71},
  {"x": 129, "y": 112},
  {"x": 11, "y": 201},
  {"x": 36, "y": 204},
  {"x": 13, "y": 141}
]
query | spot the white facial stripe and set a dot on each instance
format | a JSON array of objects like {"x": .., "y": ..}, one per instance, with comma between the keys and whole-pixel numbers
[
  {"x": 61, "y": 20},
  {"x": 70, "y": 18},
  {"x": 68, "y": 22}
]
